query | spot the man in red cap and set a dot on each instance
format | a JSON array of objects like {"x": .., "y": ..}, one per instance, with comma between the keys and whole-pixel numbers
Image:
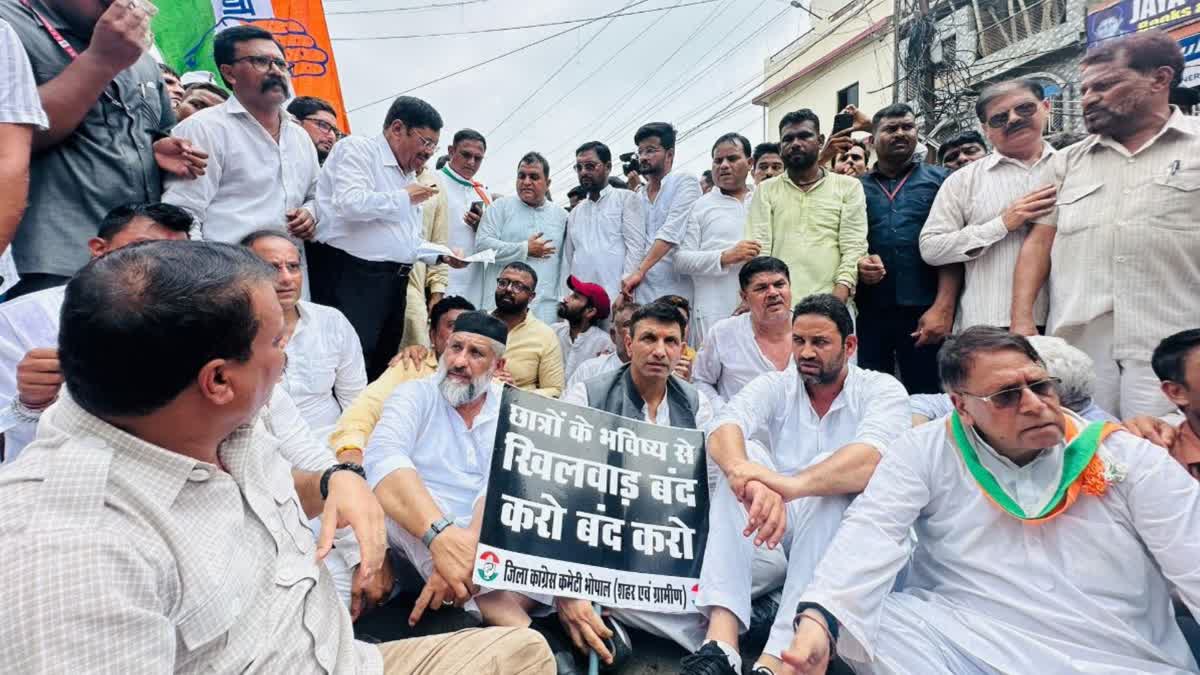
[{"x": 579, "y": 332}]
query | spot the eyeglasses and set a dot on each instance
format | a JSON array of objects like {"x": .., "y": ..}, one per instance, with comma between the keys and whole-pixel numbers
[
  {"x": 263, "y": 63},
  {"x": 515, "y": 285},
  {"x": 1009, "y": 398},
  {"x": 1024, "y": 110},
  {"x": 649, "y": 150},
  {"x": 322, "y": 125},
  {"x": 427, "y": 143},
  {"x": 587, "y": 166}
]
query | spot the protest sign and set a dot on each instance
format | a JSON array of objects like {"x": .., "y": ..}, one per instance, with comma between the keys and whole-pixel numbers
[{"x": 585, "y": 504}]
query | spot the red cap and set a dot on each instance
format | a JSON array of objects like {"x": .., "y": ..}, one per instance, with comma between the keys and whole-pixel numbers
[{"x": 593, "y": 292}]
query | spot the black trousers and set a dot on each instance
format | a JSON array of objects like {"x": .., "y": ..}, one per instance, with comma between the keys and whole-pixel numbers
[
  {"x": 372, "y": 295},
  {"x": 35, "y": 281},
  {"x": 885, "y": 341}
]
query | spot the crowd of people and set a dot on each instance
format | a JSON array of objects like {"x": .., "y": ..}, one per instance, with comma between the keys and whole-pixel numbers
[{"x": 251, "y": 384}]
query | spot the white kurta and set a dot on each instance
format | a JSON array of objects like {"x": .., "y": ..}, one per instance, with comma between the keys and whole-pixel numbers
[
  {"x": 587, "y": 345},
  {"x": 595, "y": 367},
  {"x": 506, "y": 228},
  {"x": 598, "y": 235},
  {"x": 729, "y": 359},
  {"x": 1083, "y": 593},
  {"x": 325, "y": 370},
  {"x": 718, "y": 221},
  {"x": 666, "y": 219}
]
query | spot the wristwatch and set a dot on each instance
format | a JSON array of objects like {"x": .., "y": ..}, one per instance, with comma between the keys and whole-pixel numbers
[
  {"x": 435, "y": 529},
  {"x": 344, "y": 466}
]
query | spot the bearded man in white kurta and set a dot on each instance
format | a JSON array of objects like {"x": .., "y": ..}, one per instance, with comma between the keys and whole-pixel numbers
[{"x": 1044, "y": 544}]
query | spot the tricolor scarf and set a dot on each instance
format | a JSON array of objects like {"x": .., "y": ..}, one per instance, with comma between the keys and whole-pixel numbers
[
  {"x": 483, "y": 195},
  {"x": 1084, "y": 469}
]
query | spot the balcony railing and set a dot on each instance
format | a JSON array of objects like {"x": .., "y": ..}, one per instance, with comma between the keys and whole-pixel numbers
[{"x": 1003, "y": 23}]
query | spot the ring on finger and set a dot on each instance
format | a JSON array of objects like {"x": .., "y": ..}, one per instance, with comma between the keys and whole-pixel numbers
[{"x": 447, "y": 603}]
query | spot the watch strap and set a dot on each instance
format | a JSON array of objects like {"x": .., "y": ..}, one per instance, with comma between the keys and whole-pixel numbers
[
  {"x": 344, "y": 466},
  {"x": 434, "y": 530}
]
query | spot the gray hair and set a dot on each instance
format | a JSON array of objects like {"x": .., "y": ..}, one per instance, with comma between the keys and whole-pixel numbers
[{"x": 1069, "y": 364}]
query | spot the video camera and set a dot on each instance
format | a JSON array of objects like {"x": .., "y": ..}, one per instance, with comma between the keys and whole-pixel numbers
[{"x": 629, "y": 162}]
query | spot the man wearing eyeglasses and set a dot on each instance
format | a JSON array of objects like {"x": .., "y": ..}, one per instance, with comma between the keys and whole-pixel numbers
[
  {"x": 1044, "y": 544},
  {"x": 602, "y": 227},
  {"x": 983, "y": 211},
  {"x": 319, "y": 120},
  {"x": 262, "y": 173},
  {"x": 373, "y": 224}
]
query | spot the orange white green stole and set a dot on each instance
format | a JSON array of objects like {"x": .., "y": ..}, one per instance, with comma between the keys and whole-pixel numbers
[{"x": 1084, "y": 469}]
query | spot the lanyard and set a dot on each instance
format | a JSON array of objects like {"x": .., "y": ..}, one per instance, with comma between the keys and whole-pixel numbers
[
  {"x": 54, "y": 34},
  {"x": 892, "y": 194}
]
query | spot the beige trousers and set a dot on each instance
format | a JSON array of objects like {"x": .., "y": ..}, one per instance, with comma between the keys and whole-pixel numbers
[{"x": 477, "y": 651}]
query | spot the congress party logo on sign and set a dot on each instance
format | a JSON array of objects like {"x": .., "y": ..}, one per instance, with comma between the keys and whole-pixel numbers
[{"x": 489, "y": 566}]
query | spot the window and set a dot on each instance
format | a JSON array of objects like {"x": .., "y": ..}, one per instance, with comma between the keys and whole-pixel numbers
[{"x": 847, "y": 96}]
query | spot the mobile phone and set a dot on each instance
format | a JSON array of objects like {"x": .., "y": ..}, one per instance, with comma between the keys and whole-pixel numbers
[
  {"x": 477, "y": 208},
  {"x": 841, "y": 122}
]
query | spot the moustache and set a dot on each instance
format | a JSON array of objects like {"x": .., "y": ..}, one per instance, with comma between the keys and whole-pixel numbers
[
  {"x": 1016, "y": 126},
  {"x": 273, "y": 81}
]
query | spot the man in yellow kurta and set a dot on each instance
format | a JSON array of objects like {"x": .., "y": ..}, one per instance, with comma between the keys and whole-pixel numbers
[{"x": 427, "y": 284}]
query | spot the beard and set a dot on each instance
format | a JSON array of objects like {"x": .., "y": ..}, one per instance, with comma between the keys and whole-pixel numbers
[
  {"x": 461, "y": 393},
  {"x": 508, "y": 304},
  {"x": 573, "y": 318},
  {"x": 799, "y": 161},
  {"x": 828, "y": 371}
]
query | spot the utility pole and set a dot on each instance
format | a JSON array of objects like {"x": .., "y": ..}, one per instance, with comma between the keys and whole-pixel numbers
[{"x": 926, "y": 82}]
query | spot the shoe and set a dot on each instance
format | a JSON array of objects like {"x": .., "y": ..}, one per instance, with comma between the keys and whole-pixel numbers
[
  {"x": 762, "y": 670},
  {"x": 708, "y": 660},
  {"x": 619, "y": 645}
]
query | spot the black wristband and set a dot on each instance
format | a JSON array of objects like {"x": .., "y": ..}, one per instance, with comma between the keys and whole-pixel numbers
[
  {"x": 345, "y": 466},
  {"x": 830, "y": 620}
]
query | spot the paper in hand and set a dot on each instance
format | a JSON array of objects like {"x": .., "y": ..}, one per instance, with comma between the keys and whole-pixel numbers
[{"x": 427, "y": 248}]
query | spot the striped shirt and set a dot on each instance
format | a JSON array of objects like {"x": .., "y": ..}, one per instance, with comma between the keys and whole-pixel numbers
[
  {"x": 1128, "y": 239},
  {"x": 19, "y": 100},
  {"x": 965, "y": 226}
]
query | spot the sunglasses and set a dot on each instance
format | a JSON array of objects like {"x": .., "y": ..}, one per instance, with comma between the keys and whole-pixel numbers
[
  {"x": 1024, "y": 111},
  {"x": 1009, "y": 398}
]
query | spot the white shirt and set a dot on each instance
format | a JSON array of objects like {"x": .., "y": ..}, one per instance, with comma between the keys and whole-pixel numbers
[
  {"x": 419, "y": 430},
  {"x": 28, "y": 322},
  {"x": 730, "y": 359},
  {"x": 589, "y": 344},
  {"x": 599, "y": 233},
  {"x": 251, "y": 181},
  {"x": 1082, "y": 593},
  {"x": 595, "y": 367},
  {"x": 666, "y": 219},
  {"x": 325, "y": 370},
  {"x": 965, "y": 226},
  {"x": 468, "y": 281},
  {"x": 505, "y": 228},
  {"x": 718, "y": 221},
  {"x": 578, "y": 395},
  {"x": 365, "y": 209},
  {"x": 872, "y": 408}
]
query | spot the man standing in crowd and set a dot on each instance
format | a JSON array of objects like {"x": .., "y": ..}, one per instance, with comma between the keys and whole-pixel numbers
[
  {"x": 646, "y": 390},
  {"x": 533, "y": 359},
  {"x": 982, "y": 212},
  {"x": 200, "y": 96},
  {"x": 618, "y": 329},
  {"x": 740, "y": 348},
  {"x": 666, "y": 201},
  {"x": 319, "y": 120},
  {"x": 1176, "y": 362},
  {"x": 824, "y": 426},
  {"x": 372, "y": 226},
  {"x": 357, "y": 422},
  {"x": 263, "y": 169},
  {"x": 104, "y": 98},
  {"x": 466, "y": 200},
  {"x": 906, "y": 307},
  {"x": 21, "y": 115},
  {"x": 604, "y": 225},
  {"x": 579, "y": 334},
  {"x": 713, "y": 247},
  {"x": 527, "y": 227},
  {"x": 768, "y": 163},
  {"x": 1043, "y": 544},
  {"x": 813, "y": 220},
  {"x": 173, "y": 442},
  {"x": 170, "y": 82},
  {"x": 30, "y": 374},
  {"x": 1120, "y": 249},
  {"x": 325, "y": 370},
  {"x": 854, "y": 160},
  {"x": 706, "y": 181},
  {"x": 964, "y": 148}
]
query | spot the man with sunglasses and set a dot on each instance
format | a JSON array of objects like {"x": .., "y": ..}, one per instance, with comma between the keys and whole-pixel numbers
[
  {"x": 319, "y": 120},
  {"x": 373, "y": 225},
  {"x": 604, "y": 225},
  {"x": 983, "y": 211},
  {"x": 1044, "y": 544},
  {"x": 263, "y": 169}
]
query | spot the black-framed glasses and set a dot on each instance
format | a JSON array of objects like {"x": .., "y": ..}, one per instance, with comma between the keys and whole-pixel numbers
[
  {"x": 1024, "y": 111},
  {"x": 1008, "y": 398},
  {"x": 322, "y": 125},
  {"x": 263, "y": 63},
  {"x": 515, "y": 285}
]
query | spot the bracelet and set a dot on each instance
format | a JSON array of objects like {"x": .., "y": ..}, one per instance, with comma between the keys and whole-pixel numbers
[
  {"x": 25, "y": 414},
  {"x": 347, "y": 448},
  {"x": 832, "y": 643}
]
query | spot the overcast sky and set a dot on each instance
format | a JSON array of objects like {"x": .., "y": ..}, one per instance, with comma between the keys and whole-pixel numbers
[{"x": 603, "y": 107}]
